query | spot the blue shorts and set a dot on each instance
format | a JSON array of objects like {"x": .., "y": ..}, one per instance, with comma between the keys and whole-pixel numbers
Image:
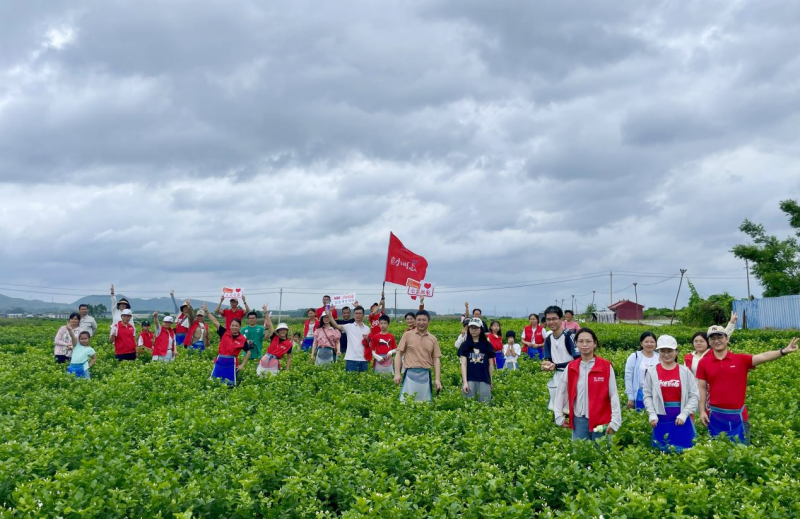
[{"x": 356, "y": 365}]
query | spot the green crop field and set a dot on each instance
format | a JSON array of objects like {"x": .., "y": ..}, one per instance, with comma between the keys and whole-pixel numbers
[{"x": 148, "y": 439}]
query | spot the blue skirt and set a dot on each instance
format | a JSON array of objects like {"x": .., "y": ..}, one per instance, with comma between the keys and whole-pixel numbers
[
  {"x": 668, "y": 436},
  {"x": 307, "y": 343},
  {"x": 225, "y": 369},
  {"x": 78, "y": 371},
  {"x": 728, "y": 421},
  {"x": 179, "y": 338},
  {"x": 199, "y": 345},
  {"x": 500, "y": 359},
  {"x": 639, "y": 400},
  {"x": 535, "y": 353}
]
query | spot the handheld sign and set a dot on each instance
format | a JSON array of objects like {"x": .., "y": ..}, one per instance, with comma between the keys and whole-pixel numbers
[
  {"x": 232, "y": 293},
  {"x": 424, "y": 289},
  {"x": 343, "y": 299}
]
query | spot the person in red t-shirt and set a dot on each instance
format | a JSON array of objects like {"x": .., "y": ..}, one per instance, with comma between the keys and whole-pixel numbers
[
  {"x": 234, "y": 312},
  {"x": 722, "y": 380},
  {"x": 326, "y": 305},
  {"x": 383, "y": 346},
  {"x": 670, "y": 398},
  {"x": 375, "y": 313},
  {"x": 495, "y": 337},
  {"x": 280, "y": 346}
]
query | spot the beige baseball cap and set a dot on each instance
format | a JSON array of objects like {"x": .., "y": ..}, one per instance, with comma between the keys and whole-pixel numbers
[{"x": 717, "y": 330}]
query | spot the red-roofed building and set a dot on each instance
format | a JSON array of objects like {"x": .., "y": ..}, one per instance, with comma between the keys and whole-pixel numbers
[{"x": 627, "y": 310}]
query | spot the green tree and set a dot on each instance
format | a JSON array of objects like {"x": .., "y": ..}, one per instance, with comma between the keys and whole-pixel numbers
[
  {"x": 97, "y": 310},
  {"x": 775, "y": 262},
  {"x": 705, "y": 312}
]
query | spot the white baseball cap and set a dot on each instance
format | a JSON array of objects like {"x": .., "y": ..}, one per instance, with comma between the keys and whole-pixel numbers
[
  {"x": 127, "y": 311},
  {"x": 169, "y": 319},
  {"x": 476, "y": 322},
  {"x": 666, "y": 342},
  {"x": 282, "y": 326}
]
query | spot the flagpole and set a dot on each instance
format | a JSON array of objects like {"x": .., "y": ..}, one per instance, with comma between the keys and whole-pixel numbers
[{"x": 387, "y": 262}]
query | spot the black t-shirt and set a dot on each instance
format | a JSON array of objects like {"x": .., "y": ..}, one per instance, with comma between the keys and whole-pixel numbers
[
  {"x": 478, "y": 356},
  {"x": 343, "y": 340}
]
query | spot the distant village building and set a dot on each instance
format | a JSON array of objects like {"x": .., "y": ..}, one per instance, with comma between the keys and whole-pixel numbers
[{"x": 627, "y": 310}]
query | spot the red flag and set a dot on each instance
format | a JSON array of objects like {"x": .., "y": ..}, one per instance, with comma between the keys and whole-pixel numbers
[{"x": 402, "y": 264}]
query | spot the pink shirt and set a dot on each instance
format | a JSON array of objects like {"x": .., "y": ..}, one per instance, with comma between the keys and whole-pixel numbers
[
  {"x": 327, "y": 337},
  {"x": 571, "y": 325}
]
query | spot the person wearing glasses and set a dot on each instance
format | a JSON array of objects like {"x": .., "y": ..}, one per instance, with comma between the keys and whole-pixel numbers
[
  {"x": 722, "y": 380},
  {"x": 559, "y": 350},
  {"x": 588, "y": 392},
  {"x": 670, "y": 398}
]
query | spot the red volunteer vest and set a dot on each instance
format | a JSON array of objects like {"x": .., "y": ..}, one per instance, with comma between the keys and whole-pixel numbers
[
  {"x": 496, "y": 342},
  {"x": 228, "y": 345},
  {"x": 596, "y": 388},
  {"x": 147, "y": 340},
  {"x": 187, "y": 340},
  {"x": 278, "y": 347},
  {"x": 162, "y": 342},
  {"x": 125, "y": 340},
  {"x": 688, "y": 360},
  {"x": 538, "y": 336},
  {"x": 179, "y": 328}
]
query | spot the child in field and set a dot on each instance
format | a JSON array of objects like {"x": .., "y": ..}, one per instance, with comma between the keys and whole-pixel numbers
[
  {"x": 495, "y": 338},
  {"x": 383, "y": 347},
  {"x": 83, "y": 357},
  {"x": 297, "y": 341},
  {"x": 146, "y": 337},
  {"x": 511, "y": 351},
  {"x": 375, "y": 313}
]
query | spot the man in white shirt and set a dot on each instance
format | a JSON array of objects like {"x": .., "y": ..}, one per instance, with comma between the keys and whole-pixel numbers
[
  {"x": 356, "y": 332},
  {"x": 559, "y": 350},
  {"x": 87, "y": 324}
]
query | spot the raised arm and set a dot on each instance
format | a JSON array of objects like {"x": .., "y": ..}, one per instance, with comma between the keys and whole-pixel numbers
[
  {"x": 333, "y": 321},
  {"x": 219, "y": 306},
  {"x": 190, "y": 311},
  {"x": 211, "y": 316},
  {"x": 383, "y": 303},
  {"x": 267, "y": 322},
  {"x": 174, "y": 303},
  {"x": 768, "y": 356},
  {"x": 246, "y": 308},
  {"x": 113, "y": 300},
  {"x": 155, "y": 321}
]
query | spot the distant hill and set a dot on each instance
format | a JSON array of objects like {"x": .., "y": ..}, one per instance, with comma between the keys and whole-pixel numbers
[
  {"x": 19, "y": 305},
  {"x": 162, "y": 304}
]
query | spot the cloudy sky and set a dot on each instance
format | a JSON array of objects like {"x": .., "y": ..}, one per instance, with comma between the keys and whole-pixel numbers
[{"x": 190, "y": 145}]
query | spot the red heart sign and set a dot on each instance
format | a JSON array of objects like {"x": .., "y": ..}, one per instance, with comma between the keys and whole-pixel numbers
[
  {"x": 427, "y": 285},
  {"x": 414, "y": 298}
]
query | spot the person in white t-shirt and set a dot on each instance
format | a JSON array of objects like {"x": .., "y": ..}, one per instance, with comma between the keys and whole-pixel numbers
[
  {"x": 636, "y": 367},
  {"x": 356, "y": 333},
  {"x": 511, "y": 351}
]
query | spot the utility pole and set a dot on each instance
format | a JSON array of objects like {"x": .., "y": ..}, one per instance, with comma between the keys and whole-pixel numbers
[
  {"x": 747, "y": 269},
  {"x": 280, "y": 307},
  {"x": 573, "y": 304},
  {"x": 610, "y": 288},
  {"x": 395, "y": 304},
  {"x": 638, "y": 314},
  {"x": 562, "y": 304},
  {"x": 675, "y": 306},
  {"x": 592, "y": 298}
]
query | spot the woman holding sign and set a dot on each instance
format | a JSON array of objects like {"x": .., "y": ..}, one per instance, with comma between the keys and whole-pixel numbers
[{"x": 234, "y": 312}]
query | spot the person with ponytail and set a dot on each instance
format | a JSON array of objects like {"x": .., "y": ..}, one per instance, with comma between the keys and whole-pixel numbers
[{"x": 231, "y": 343}]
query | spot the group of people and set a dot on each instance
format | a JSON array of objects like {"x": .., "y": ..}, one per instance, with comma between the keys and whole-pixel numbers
[{"x": 583, "y": 388}]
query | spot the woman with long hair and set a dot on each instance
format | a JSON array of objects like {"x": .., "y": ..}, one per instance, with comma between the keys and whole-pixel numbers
[
  {"x": 66, "y": 338},
  {"x": 326, "y": 344},
  {"x": 495, "y": 338},
  {"x": 635, "y": 368},
  {"x": 477, "y": 363}
]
